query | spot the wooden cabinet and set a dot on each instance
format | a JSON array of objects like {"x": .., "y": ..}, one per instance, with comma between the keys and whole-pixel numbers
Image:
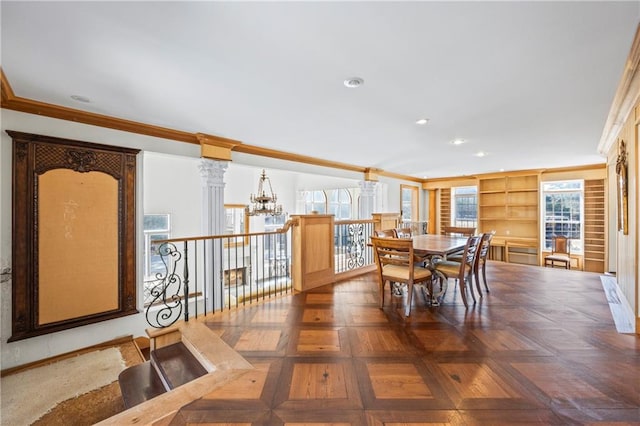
[{"x": 508, "y": 205}]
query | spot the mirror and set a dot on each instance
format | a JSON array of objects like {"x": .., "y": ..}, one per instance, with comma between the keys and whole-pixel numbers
[{"x": 236, "y": 222}]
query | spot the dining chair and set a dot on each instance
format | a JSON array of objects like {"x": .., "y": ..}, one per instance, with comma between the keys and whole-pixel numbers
[
  {"x": 462, "y": 271},
  {"x": 560, "y": 252},
  {"x": 481, "y": 260},
  {"x": 403, "y": 232},
  {"x": 458, "y": 230},
  {"x": 396, "y": 262},
  {"x": 386, "y": 233}
]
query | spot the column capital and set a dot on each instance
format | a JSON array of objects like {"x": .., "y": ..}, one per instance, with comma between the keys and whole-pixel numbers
[
  {"x": 367, "y": 187},
  {"x": 212, "y": 172}
]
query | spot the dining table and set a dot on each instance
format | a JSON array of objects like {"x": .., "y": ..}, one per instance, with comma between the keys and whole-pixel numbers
[
  {"x": 437, "y": 245},
  {"x": 430, "y": 246}
]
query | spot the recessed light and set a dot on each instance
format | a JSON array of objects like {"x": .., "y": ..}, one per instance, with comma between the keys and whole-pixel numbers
[
  {"x": 422, "y": 121},
  {"x": 353, "y": 82},
  {"x": 80, "y": 98},
  {"x": 502, "y": 170},
  {"x": 481, "y": 154},
  {"x": 458, "y": 141}
]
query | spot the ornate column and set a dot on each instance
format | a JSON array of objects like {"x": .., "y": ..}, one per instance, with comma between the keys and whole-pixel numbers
[
  {"x": 212, "y": 173},
  {"x": 367, "y": 199}
]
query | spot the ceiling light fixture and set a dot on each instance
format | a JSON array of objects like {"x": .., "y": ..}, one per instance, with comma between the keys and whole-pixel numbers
[
  {"x": 422, "y": 121},
  {"x": 458, "y": 141},
  {"x": 481, "y": 154},
  {"x": 353, "y": 82},
  {"x": 264, "y": 202},
  {"x": 80, "y": 98}
]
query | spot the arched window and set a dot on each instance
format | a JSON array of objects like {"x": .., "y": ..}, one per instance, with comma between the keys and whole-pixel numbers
[
  {"x": 340, "y": 204},
  {"x": 315, "y": 200}
]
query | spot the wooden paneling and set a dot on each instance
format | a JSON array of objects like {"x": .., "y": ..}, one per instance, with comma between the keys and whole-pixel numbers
[{"x": 313, "y": 259}]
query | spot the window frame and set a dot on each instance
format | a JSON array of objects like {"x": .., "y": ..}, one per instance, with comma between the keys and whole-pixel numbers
[
  {"x": 148, "y": 234},
  {"x": 414, "y": 210},
  {"x": 467, "y": 223},
  {"x": 576, "y": 248}
]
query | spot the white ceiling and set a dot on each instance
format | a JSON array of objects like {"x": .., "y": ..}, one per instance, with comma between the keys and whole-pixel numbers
[{"x": 529, "y": 83}]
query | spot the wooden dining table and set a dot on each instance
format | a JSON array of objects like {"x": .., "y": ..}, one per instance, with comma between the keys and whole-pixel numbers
[{"x": 437, "y": 245}]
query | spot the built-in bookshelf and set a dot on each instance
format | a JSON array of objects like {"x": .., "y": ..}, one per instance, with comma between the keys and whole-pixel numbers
[
  {"x": 508, "y": 205},
  {"x": 594, "y": 225},
  {"x": 445, "y": 207}
]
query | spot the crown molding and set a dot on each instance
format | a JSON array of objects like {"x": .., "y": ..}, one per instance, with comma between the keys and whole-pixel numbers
[
  {"x": 625, "y": 99},
  {"x": 10, "y": 101}
]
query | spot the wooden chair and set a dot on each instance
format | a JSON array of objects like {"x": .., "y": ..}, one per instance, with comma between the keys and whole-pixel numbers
[
  {"x": 481, "y": 260},
  {"x": 403, "y": 232},
  {"x": 462, "y": 271},
  {"x": 386, "y": 233},
  {"x": 457, "y": 230},
  {"x": 560, "y": 252},
  {"x": 396, "y": 263}
]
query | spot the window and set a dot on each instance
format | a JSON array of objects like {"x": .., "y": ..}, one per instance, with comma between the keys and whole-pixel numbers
[
  {"x": 340, "y": 204},
  {"x": 563, "y": 212},
  {"x": 409, "y": 203},
  {"x": 464, "y": 211},
  {"x": 156, "y": 227},
  {"x": 275, "y": 251},
  {"x": 315, "y": 201}
]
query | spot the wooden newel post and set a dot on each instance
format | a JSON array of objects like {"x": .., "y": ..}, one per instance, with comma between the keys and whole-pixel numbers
[
  {"x": 385, "y": 221},
  {"x": 313, "y": 257}
]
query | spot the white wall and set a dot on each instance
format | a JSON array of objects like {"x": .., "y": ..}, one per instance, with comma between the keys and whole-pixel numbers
[{"x": 168, "y": 181}]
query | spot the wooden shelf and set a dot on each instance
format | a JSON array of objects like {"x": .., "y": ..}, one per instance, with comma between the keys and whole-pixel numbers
[
  {"x": 509, "y": 206},
  {"x": 594, "y": 225}
]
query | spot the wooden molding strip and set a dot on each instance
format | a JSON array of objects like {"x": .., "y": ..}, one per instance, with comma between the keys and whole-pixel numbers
[
  {"x": 16, "y": 103},
  {"x": 625, "y": 99},
  {"x": 12, "y": 102}
]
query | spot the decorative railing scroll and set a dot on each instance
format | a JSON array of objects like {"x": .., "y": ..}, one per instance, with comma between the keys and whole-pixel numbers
[
  {"x": 351, "y": 244},
  {"x": 165, "y": 296}
]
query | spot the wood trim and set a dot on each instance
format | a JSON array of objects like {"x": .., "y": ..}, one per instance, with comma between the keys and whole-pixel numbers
[
  {"x": 287, "y": 156},
  {"x": 45, "y": 361},
  {"x": 625, "y": 99},
  {"x": 6, "y": 93},
  {"x": 215, "y": 147},
  {"x": 16, "y": 103},
  {"x": 33, "y": 156}
]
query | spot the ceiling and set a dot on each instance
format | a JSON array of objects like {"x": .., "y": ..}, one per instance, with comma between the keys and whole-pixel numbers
[{"x": 528, "y": 83}]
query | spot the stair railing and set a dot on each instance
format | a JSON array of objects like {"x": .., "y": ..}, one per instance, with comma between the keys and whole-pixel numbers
[
  {"x": 351, "y": 249},
  {"x": 202, "y": 275}
]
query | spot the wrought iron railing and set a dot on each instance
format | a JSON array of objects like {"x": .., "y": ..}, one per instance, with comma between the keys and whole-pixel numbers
[
  {"x": 351, "y": 249},
  {"x": 201, "y": 275},
  {"x": 207, "y": 274}
]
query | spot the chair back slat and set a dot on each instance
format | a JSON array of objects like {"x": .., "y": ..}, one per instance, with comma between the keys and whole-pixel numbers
[
  {"x": 386, "y": 233},
  {"x": 458, "y": 230},
  {"x": 403, "y": 232},
  {"x": 470, "y": 250}
]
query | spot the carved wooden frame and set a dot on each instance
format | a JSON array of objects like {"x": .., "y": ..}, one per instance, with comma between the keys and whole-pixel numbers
[
  {"x": 622, "y": 188},
  {"x": 34, "y": 155}
]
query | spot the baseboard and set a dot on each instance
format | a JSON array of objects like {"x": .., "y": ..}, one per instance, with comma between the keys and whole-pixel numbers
[
  {"x": 620, "y": 308},
  {"x": 103, "y": 345}
]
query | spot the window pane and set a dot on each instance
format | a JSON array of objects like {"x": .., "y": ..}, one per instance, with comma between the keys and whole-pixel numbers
[
  {"x": 155, "y": 261},
  {"x": 156, "y": 222},
  {"x": 563, "y": 206},
  {"x": 465, "y": 206}
]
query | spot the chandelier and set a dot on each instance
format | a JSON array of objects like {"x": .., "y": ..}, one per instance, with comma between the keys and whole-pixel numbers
[{"x": 264, "y": 202}]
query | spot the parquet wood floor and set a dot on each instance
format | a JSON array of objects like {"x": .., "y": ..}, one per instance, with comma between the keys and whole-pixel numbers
[{"x": 540, "y": 348}]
